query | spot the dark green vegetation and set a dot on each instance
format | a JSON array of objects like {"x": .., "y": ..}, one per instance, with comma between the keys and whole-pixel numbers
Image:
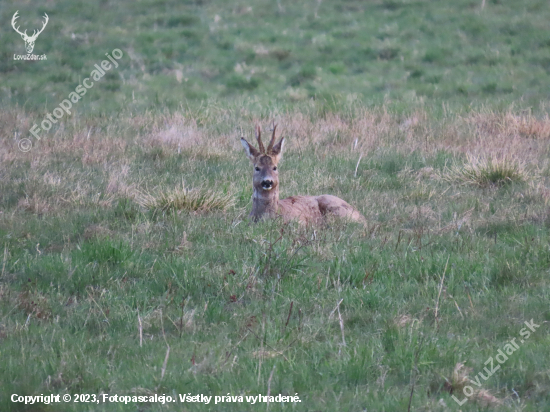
[
  {"x": 123, "y": 231},
  {"x": 187, "y": 51}
]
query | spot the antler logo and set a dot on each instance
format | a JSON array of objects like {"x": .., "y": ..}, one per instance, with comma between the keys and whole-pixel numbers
[{"x": 29, "y": 40}]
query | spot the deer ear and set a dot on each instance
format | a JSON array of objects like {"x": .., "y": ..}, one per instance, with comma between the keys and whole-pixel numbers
[
  {"x": 277, "y": 150},
  {"x": 251, "y": 152}
]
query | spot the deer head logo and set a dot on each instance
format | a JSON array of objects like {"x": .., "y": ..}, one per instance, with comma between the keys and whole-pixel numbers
[{"x": 29, "y": 40}]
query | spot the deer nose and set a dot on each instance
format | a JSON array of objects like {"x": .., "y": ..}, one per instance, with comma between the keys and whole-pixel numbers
[{"x": 267, "y": 184}]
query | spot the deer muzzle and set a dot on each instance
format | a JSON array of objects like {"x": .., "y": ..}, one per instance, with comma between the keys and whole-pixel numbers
[{"x": 267, "y": 184}]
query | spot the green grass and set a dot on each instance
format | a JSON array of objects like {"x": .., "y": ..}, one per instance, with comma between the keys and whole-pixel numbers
[
  {"x": 430, "y": 117},
  {"x": 186, "y": 52},
  {"x": 245, "y": 306}
]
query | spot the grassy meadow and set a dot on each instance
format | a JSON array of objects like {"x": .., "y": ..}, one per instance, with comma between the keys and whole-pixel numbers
[{"x": 128, "y": 265}]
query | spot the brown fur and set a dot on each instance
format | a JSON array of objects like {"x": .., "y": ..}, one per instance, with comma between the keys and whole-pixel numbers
[{"x": 265, "y": 200}]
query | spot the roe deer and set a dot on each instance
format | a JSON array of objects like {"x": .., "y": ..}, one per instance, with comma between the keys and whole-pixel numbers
[{"x": 265, "y": 200}]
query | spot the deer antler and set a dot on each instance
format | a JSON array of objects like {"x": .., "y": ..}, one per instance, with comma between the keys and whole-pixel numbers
[
  {"x": 14, "y": 18},
  {"x": 259, "y": 139},
  {"x": 35, "y": 35},
  {"x": 272, "y": 142}
]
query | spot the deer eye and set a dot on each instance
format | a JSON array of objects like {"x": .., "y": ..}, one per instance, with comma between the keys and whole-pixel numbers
[
  {"x": 275, "y": 168},
  {"x": 257, "y": 169}
]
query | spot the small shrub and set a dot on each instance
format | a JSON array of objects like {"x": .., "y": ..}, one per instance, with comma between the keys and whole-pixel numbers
[
  {"x": 484, "y": 171},
  {"x": 192, "y": 200}
]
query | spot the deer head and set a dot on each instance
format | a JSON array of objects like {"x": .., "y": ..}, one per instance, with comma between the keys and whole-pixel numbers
[
  {"x": 266, "y": 176},
  {"x": 29, "y": 40}
]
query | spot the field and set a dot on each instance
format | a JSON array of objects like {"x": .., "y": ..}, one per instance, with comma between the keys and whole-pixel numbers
[{"x": 128, "y": 265}]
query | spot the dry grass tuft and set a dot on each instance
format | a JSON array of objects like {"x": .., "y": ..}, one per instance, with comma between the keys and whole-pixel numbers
[
  {"x": 265, "y": 354},
  {"x": 35, "y": 204},
  {"x": 487, "y": 400},
  {"x": 459, "y": 379},
  {"x": 181, "y": 198},
  {"x": 116, "y": 184},
  {"x": 402, "y": 321},
  {"x": 35, "y": 305},
  {"x": 177, "y": 133},
  {"x": 540, "y": 191},
  {"x": 510, "y": 124},
  {"x": 421, "y": 193},
  {"x": 484, "y": 171},
  {"x": 97, "y": 231}
]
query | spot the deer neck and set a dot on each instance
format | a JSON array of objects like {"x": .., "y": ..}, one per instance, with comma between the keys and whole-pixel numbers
[{"x": 264, "y": 203}]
